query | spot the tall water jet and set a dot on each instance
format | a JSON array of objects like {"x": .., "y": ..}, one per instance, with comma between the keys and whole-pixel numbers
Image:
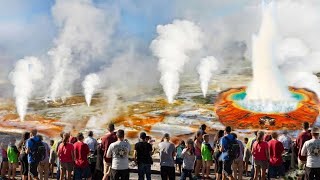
[
  {"x": 267, "y": 84},
  {"x": 171, "y": 47},
  {"x": 90, "y": 84},
  {"x": 26, "y": 72},
  {"x": 206, "y": 68},
  {"x": 83, "y": 36}
]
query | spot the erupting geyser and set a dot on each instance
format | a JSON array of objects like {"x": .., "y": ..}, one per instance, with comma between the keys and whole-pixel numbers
[
  {"x": 171, "y": 47},
  {"x": 90, "y": 83},
  {"x": 24, "y": 75},
  {"x": 268, "y": 87},
  {"x": 267, "y": 102},
  {"x": 207, "y": 67}
]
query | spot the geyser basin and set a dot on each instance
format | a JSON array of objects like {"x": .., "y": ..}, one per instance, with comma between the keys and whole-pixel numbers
[{"x": 232, "y": 111}]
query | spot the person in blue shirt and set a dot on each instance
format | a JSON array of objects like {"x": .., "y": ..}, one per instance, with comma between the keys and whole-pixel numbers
[
  {"x": 227, "y": 163},
  {"x": 33, "y": 171}
]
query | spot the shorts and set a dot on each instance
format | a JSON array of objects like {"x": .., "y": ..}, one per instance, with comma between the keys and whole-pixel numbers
[
  {"x": 80, "y": 173},
  {"x": 66, "y": 166},
  {"x": 218, "y": 167},
  {"x": 13, "y": 165},
  {"x": 24, "y": 164},
  {"x": 199, "y": 157},
  {"x": 312, "y": 173},
  {"x": 275, "y": 171},
  {"x": 179, "y": 161},
  {"x": 120, "y": 174},
  {"x": 207, "y": 163},
  {"x": 301, "y": 164},
  {"x": 261, "y": 164},
  {"x": 4, "y": 159},
  {"x": 247, "y": 155},
  {"x": 33, "y": 169},
  {"x": 106, "y": 167},
  {"x": 227, "y": 167}
]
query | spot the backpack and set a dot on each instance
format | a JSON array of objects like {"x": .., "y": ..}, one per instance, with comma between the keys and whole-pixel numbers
[
  {"x": 38, "y": 151},
  {"x": 233, "y": 149}
]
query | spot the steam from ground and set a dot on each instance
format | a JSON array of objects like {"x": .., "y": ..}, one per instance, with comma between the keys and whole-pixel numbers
[
  {"x": 26, "y": 73},
  {"x": 84, "y": 32},
  {"x": 172, "y": 46},
  {"x": 299, "y": 64},
  {"x": 206, "y": 68},
  {"x": 90, "y": 84},
  {"x": 268, "y": 83},
  {"x": 112, "y": 106}
]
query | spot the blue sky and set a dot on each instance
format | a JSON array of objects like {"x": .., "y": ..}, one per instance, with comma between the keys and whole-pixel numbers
[{"x": 137, "y": 18}]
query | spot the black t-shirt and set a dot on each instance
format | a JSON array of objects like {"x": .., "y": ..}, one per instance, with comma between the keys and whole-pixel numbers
[
  {"x": 99, "y": 162},
  {"x": 144, "y": 150}
]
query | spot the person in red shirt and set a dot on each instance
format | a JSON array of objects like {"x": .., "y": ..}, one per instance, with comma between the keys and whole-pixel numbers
[
  {"x": 81, "y": 153},
  {"x": 106, "y": 140},
  {"x": 66, "y": 157},
  {"x": 301, "y": 139},
  {"x": 260, "y": 153},
  {"x": 72, "y": 139},
  {"x": 276, "y": 149}
]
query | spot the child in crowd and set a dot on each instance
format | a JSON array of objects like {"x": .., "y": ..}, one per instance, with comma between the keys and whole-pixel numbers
[
  {"x": 246, "y": 158},
  {"x": 53, "y": 157},
  {"x": 189, "y": 158},
  {"x": 4, "y": 163},
  {"x": 179, "y": 150},
  {"x": 13, "y": 155},
  {"x": 206, "y": 153}
]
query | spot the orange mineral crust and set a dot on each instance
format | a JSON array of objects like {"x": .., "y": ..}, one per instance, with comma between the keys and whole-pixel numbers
[
  {"x": 45, "y": 126},
  {"x": 231, "y": 114}
]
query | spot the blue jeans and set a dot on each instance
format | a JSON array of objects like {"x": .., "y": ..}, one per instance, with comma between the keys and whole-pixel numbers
[
  {"x": 144, "y": 169},
  {"x": 58, "y": 169},
  {"x": 186, "y": 173}
]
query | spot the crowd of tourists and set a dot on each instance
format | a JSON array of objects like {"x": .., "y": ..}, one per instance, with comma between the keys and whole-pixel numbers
[{"x": 262, "y": 156}]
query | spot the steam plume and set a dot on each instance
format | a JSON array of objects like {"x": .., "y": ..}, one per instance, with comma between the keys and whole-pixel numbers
[
  {"x": 299, "y": 64},
  {"x": 90, "y": 83},
  {"x": 267, "y": 83},
  {"x": 23, "y": 77},
  {"x": 206, "y": 68},
  {"x": 83, "y": 35},
  {"x": 171, "y": 47}
]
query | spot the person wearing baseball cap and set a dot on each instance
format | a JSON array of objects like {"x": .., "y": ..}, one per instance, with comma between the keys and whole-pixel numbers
[{"x": 311, "y": 149}]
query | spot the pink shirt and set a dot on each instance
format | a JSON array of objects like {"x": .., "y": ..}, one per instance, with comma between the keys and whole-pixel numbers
[
  {"x": 197, "y": 150},
  {"x": 4, "y": 153}
]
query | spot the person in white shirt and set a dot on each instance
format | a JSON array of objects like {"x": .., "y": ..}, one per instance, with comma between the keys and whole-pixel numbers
[
  {"x": 311, "y": 149},
  {"x": 119, "y": 152}
]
